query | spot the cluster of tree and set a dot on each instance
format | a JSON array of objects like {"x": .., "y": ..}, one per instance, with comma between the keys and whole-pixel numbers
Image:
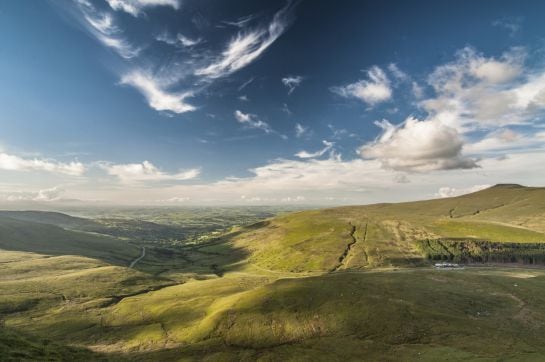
[{"x": 482, "y": 251}]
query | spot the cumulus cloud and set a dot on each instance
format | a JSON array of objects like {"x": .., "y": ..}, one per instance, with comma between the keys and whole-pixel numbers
[
  {"x": 158, "y": 98},
  {"x": 15, "y": 163},
  {"x": 246, "y": 47},
  {"x": 475, "y": 91},
  {"x": 135, "y": 7},
  {"x": 102, "y": 25},
  {"x": 44, "y": 195},
  {"x": 374, "y": 90},
  {"x": 292, "y": 82},
  {"x": 417, "y": 146},
  {"x": 453, "y": 191},
  {"x": 252, "y": 121},
  {"x": 327, "y": 147},
  {"x": 475, "y": 99},
  {"x": 146, "y": 171}
]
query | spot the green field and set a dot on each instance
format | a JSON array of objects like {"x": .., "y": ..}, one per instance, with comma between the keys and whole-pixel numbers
[{"x": 349, "y": 283}]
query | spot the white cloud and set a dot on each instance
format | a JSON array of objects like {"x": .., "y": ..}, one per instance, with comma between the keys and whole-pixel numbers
[
  {"x": 397, "y": 73},
  {"x": 243, "y": 98},
  {"x": 240, "y": 22},
  {"x": 300, "y": 130},
  {"x": 293, "y": 199},
  {"x": 102, "y": 25},
  {"x": 418, "y": 146},
  {"x": 15, "y": 163},
  {"x": 51, "y": 194},
  {"x": 505, "y": 139},
  {"x": 372, "y": 91},
  {"x": 511, "y": 24},
  {"x": 245, "y": 84},
  {"x": 246, "y": 47},
  {"x": 452, "y": 191},
  {"x": 157, "y": 97},
  {"x": 292, "y": 82},
  {"x": 44, "y": 195},
  {"x": 327, "y": 146},
  {"x": 188, "y": 42},
  {"x": 145, "y": 171},
  {"x": 417, "y": 90},
  {"x": 135, "y": 7},
  {"x": 252, "y": 121},
  {"x": 475, "y": 92},
  {"x": 180, "y": 40}
]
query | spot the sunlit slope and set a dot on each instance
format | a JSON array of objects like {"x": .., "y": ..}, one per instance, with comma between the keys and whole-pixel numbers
[
  {"x": 18, "y": 235},
  {"x": 421, "y": 314},
  {"x": 359, "y": 237},
  {"x": 56, "y": 297}
]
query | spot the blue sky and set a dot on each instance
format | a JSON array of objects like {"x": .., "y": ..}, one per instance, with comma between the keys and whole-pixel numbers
[{"x": 242, "y": 102}]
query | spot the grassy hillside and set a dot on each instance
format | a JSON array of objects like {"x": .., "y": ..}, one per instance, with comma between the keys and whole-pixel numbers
[
  {"x": 360, "y": 237},
  {"x": 17, "y": 235},
  {"x": 349, "y": 283}
]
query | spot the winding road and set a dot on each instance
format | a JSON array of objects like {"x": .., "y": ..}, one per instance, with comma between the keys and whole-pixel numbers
[{"x": 133, "y": 263}]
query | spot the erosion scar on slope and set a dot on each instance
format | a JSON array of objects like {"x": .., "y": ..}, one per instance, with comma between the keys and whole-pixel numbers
[{"x": 344, "y": 256}]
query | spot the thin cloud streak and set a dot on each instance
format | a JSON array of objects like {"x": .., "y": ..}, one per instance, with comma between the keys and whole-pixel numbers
[{"x": 246, "y": 47}]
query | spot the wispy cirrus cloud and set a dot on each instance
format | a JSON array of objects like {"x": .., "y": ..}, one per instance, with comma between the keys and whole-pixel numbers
[
  {"x": 305, "y": 154},
  {"x": 154, "y": 91},
  {"x": 252, "y": 121},
  {"x": 136, "y": 7},
  {"x": 102, "y": 26},
  {"x": 246, "y": 47},
  {"x": 179, "y": 40},
  {"x": 167, "y": 81},
  {"x": 300, "y": 130},
  {"x": 511, "y": 24},
  {"x": 292, "y": 82},
  {"x": 240, "y": 22}
]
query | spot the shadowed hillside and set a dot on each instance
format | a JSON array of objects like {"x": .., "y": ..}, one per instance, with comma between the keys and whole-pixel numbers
[{"x": 17, "y": 235}]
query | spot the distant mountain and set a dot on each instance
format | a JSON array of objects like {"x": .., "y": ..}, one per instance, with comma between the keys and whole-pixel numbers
[
  {"x": 53, "y": 218},
  {"x": 29, "y": 236}
]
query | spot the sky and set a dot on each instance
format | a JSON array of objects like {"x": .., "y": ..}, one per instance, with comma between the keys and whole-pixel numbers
[{"x": 212, "y": 102}]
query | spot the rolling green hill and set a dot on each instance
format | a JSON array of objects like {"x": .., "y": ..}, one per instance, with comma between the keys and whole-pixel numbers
[
  {"x": 385, "y": 235},
  {"x": 18, "y": 235},
  {"x": 348, "y": 283}
]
